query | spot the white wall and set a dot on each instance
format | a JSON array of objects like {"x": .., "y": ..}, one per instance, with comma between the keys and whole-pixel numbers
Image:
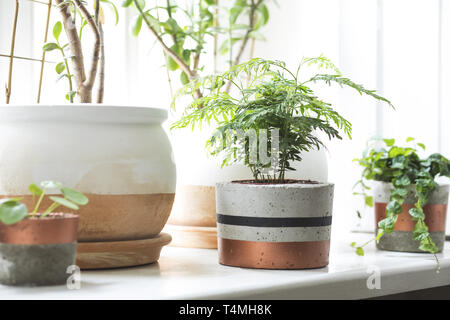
[{"x": 400, "y": 47}]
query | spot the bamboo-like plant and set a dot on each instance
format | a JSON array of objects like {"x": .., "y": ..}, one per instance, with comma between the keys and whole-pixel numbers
[{"x": 184, "y": 45}]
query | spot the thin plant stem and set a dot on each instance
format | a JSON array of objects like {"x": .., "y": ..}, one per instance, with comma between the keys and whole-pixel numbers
[
  {"x": 50, "y": 209},
  {"x": 49, "y": 10},
  {"x": 11, "y": 55},
  {"x": 36, "y": 208}
]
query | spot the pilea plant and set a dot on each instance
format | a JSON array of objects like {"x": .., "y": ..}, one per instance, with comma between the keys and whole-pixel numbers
[
  {"x": 403, "y": 167},
  {"x": 184, "y": 44},
  {"x": 13, "y": 211},
  {"x": 275, "y": 98}
]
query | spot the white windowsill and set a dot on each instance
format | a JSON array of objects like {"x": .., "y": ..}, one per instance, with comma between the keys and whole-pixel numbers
[{"x": 195, "y": 274}]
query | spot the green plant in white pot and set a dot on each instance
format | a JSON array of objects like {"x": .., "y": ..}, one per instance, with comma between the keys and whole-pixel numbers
[
  {"x": 38, "y": 247},
  {"x": 198, "y": 37},
  {"x": 270, "y": 221},
  {"x": 119, "y": 156},
  {"x": 410, "y": 206}
]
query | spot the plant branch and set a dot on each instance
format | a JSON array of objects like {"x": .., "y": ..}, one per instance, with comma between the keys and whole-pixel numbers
[
  {"x": 74, "y": 40},
  {"x": 101, "y": 74},
  {"x": 89, "y": 82},
  {"x": 170, "y": 52}
]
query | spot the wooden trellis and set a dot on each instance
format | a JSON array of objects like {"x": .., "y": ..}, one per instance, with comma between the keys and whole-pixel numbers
[{"x": 12, "y": 56}]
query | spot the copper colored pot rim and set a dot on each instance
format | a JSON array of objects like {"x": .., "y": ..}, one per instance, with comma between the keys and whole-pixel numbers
[{"x": 52, "y": 229}]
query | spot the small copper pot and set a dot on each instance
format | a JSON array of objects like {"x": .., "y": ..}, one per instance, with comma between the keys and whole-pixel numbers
[
  {"x": 402, "y": 238},
  {"x": 38, "y": 251}
]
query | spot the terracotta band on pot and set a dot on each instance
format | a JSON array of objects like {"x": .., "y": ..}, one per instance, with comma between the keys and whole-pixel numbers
[
  {"x": 274, "y": 255},
  {"x": 435, "y": 216}
]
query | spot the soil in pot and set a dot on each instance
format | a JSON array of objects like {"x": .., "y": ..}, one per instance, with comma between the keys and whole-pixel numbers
[
  {"x": 37, "y": 251},
  {"x": 402, "y": 238},
  {"x": 274, "y": 226}
]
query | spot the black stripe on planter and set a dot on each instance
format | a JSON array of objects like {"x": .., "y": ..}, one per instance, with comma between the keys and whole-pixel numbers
[{"x": 274, "y": 222}]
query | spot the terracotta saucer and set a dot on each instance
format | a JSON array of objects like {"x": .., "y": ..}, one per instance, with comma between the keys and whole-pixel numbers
[
  {"x": 116, "y": 254},
  {"x": 192, "y": 236}
]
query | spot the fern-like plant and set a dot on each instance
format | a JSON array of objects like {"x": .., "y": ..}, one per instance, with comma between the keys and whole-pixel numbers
[{"x": 269, "y": 96}]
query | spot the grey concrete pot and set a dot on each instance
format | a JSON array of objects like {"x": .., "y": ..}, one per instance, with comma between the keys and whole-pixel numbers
[
  {"x": 274, "y": 226},
  {"x": 401, "y": 239},
  {"x": 38, "y": 251}
]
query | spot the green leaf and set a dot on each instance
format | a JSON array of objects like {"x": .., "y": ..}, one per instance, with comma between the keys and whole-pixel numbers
[
  {"x": 70, "y": 95},
  {"x": 12, "y": 212},
  {"x": 136, "y": 25},
  {"x": 368, "y": 201},
  {"x": 360, "y": 251},
  {"x": 60, "y": 67},
  {"x": 126, "y": 3},
  {"x": 171, "y": 64},
  {"x": 35, "y": 190},
  {"x": 417, "y": 213},
  {"x": 421, "y": 145},
  {"x": 51, "y": 185},
  {"x": 184, "y": 78},
  {"x": 379, "y": 235},
  {"x": 57, "y": 28},
  {"x": 50, "y": 46},
  {"x": 409, "y": 139},
  {"x": 389, "y": 142},
  {"x": 64, "y": 202},
  {"x": 74, "y": 196}
]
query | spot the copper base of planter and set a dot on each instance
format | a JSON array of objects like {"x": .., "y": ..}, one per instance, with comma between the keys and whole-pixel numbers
[
  {"x": 117, "y": 254},
  {"x": 274, "y": 255},
  {"x": 192, "y": 236}
]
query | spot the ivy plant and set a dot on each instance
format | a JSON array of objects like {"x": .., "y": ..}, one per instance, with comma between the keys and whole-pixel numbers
[
  {"x": 13, "y": 211},
  {"x": 384, "y": 161},
  {"x": 272, "y": 97}
]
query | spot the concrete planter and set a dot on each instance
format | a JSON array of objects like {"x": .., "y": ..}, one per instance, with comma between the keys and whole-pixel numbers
[
  {"x": 38, "y": 251},
  {"x": 401, "y": 239},
  {"x": 120, "y": 157},
  {"x": 274, "y": 226}
]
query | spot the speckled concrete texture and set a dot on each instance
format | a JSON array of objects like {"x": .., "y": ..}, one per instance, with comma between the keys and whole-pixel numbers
[
  {"x": 275, "y": 200},
  {"x": 403, "y": 241},
  {"x": 37, "y": 264},
  {"x": 382, "y": 192}
]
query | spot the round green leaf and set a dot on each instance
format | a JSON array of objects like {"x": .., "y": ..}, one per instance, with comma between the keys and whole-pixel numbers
[
  {"x": 50, "y": 46},
  {"x": 75, "y": 196},
  {"x": 57, "y": 30},
  {"x": 51, "y": 185},
  {"x": 35, "y": 190},
  {"x": 64, "y": 202},
  {"x": 60, "y": 67},
  {"x": 12, "y": 212}
]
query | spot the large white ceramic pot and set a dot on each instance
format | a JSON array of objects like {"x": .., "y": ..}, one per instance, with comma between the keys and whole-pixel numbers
[
  {"x": 120, "y": 157},
  {"x": 192, "y": 222}
]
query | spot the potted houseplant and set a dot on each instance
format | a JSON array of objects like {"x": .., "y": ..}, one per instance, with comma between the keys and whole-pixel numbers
[
  {"x": 119, "y": 156},
  {"x": 37, "y": 247},
  {"x": 271, "y": 221},
  {"x": 199, "y": 37},
  {"x": 410, "y": 206}
]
